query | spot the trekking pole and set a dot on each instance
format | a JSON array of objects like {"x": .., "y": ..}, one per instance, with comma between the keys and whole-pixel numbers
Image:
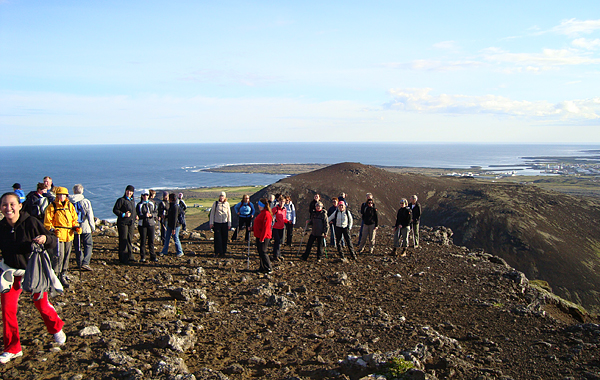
[
  {"x": 325, "y": 245},
  {"x": 302, "y": 240},
  {"x": 248, "y": 256}
]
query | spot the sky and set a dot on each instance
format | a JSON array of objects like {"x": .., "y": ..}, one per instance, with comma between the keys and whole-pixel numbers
[{"x": 123, "y": 72}]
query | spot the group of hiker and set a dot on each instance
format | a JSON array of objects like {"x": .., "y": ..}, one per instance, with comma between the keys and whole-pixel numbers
[
  {"x": 147, "y": 215},
  {"x": 338, "y": 222},
  {"x": 57, "y": 221}
]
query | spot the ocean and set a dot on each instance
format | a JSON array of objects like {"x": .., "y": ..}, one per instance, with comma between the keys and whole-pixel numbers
[{"x": 105, "y": 170}]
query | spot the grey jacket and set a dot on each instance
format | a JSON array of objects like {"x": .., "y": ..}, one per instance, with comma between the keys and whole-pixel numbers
[{"x": 88, "y": 225}]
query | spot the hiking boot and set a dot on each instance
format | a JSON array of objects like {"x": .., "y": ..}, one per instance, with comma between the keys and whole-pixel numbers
[
  {"x": 403, "y": 252},
  {"x": 87, "y": 268},
  {"x": 60, "y": 337},
  {"x": 394, "y": 251},
  {"x": 8, "y": 356}
]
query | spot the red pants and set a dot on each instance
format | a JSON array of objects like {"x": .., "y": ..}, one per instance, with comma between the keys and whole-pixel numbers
[{"x": 10, "y": 304}]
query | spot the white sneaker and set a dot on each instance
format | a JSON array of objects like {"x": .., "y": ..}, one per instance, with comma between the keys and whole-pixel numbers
[
  {"x": 60, "y": 337},
  {"x": 8, "y": 356}
]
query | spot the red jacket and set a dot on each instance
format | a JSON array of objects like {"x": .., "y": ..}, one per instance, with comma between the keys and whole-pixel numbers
[
  {"x": 280, "y": 214},
  {"x": 262, "y": 225}
]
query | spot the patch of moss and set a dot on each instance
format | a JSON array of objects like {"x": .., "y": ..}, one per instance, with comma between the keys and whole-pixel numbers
[{"x": 396, "y": 368}]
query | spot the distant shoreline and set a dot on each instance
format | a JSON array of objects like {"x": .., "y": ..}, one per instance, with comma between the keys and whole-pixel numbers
[{"x": 293, "y": 169}]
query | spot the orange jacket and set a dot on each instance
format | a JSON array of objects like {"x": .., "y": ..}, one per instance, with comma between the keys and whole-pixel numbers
[{"x": 62, "y": 218}]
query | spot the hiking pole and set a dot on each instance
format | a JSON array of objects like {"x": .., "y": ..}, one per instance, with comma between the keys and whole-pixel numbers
[
  {"x": 248, "y": 257},
  {"x": 302, "y": 240},
  {"x": 325, "y": 246}
]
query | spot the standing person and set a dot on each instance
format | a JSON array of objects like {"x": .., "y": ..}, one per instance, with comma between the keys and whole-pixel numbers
[
  {"x": 330, "y": 211},
  {"x": 83, "y": 241},
  {"x": 245, "y": 212},
  {"x": 362, "y": 210},
  {"x": 342, "y": 222},
  {"x": 50, "y": 189},
  {"x": 220, "y": 222},
  {"x": 61, "y": 218},
  {"x": 124, "y": 209},
  {"x": 146, "y": 212},
  {"x": 415, "y": 208},
  {"x": 370, "y": 223},
  {"x": 262, "y": 233},
  {"x": 182, "y": 208},
  {"x": 320, "y": 226},
  {"x": 17, "y": 231},
  {"x": 279, "y": 214},
  {"x": 291, "y": 220},
  {"x": 36, "y": 203},
  {"x": 402, "y": 227},
  {"x": 163, "y": 211},
  {"x": 173, "y": 228},
  {"x": 313, "y": 203},
  {"x": 17, "y": 190}
]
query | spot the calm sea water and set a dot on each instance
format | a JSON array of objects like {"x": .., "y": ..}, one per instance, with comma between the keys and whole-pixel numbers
[{"x": 105, "y": 170}]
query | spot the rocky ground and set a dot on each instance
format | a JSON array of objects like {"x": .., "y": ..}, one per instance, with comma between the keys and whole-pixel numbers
[{"x": 452, "y": 312}]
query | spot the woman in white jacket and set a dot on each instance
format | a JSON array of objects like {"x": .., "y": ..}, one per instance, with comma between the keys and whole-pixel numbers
[{"x": 220, "y": 223}]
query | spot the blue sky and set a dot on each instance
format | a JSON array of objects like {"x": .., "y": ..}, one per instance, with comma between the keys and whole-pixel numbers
[{"x": 95, "y": 72}]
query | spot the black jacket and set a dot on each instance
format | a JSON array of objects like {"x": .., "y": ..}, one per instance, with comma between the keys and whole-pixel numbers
[
  {"x": 142, "y": 211},
  {"x": 369, "y": 216},
  {"x": 15, "y": 242},
  {"x": 122, "y": 205},
  {"x": 416, "y": 211},
  {"x": 403, "y": 217},
  {"x": 173, "y": 216},
  {"x": 319, "y": 223}
]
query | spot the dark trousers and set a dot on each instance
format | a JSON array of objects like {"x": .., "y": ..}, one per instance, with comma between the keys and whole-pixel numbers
[
  {"x": 333, "y": 241},
  {"x": 247, "y": 222},
  {"x": 343, "y": 233},
  {"x": 320, "y": 246},
  {"x": 125, "y": 242},
  {"x": 289, "y": 231},
  {"x": 147, "y": 233},
  {"x": 163, "y": 230},
  {"x": 265, "y": 263},
  {"x": 221, "y": 236},
  {"x": 83, "y": 245},
  {"x": 278, "y": 237}
]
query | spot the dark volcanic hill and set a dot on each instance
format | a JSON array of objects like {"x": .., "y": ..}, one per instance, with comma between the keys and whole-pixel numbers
[{"x": 548, "y": 236}]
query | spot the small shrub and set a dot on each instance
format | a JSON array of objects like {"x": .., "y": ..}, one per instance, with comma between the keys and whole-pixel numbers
[{"x": 395, "y": 368}]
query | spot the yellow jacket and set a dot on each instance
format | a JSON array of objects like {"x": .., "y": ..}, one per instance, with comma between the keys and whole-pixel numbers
[{"x": 62, "y": 218}]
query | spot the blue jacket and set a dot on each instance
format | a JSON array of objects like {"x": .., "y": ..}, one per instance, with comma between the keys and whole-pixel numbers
[
  {"x": 244, "y": 210},
  {"x": 21, "y": 195}
]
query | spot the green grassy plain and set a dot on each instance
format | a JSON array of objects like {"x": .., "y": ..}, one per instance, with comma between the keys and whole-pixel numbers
[{"x": 200, "y": 200}]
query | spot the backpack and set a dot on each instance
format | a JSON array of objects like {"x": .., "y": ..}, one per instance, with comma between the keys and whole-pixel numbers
[
  {"x": 80, "y": 212},
  {"x": 33, "y": 205},
  {"x": 180, "y": 216}
]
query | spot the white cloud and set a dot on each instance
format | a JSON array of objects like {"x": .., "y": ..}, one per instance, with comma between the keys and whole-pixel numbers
[
  {"x": 547, "y": 58},
  {"x": 434, "y": 65},
  {"x": 420, "y": 100},
  {"x": 587, "y": 43},
  {"x": 573, "y": 27}
]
